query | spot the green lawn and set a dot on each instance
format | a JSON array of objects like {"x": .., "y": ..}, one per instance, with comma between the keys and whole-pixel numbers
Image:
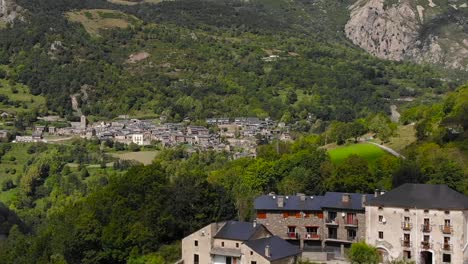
[
  {"x": 368, "y": 151},
  {"x": 145, "y": 157}
]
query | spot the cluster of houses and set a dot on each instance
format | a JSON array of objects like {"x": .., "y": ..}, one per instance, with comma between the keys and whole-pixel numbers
[
  {"x": 238, "y": 135},
  {"x": 427, "y": 224}
]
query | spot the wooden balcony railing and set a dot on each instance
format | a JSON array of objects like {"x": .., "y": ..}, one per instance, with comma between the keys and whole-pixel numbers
[
  {"x": 312, "y": 236},
  {"x": 293, "y": 235},
  {"x": 353, "y": 222},
  {"x": 406, "y": 243},
  {"x": 447, "y": 247},
  {"x": 446, "y": 229},
  {"x": 426, "y": 228},
  {"x": 330, "y": 221},
  {"x": 426, "y": 245},
  {"x": 406, "y": 226}
]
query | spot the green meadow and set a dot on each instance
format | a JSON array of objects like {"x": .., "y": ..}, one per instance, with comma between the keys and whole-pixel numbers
[{"x": 368, "y": 151}]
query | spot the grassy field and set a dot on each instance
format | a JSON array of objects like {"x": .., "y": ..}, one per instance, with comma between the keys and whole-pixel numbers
[
  {"x": 404, "y": 137},
  {"x": 145, "y": 157},
  {"x": 19, "y": 98},
  {"x": 94, "y": 20},
  {"x": 11, "y": 166},
  {"x": 368, "y": 151}
]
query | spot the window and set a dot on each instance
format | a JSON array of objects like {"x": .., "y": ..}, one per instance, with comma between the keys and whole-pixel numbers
[
  {"x": 380, "y": 218},
  {"x": 380, "y": 208},
  {"x": 291, "y": 231},
  {"x": 261, "y": 215},
  {"x": 426, "y": 211},
  {"x": 446, "y": 258},
  {"x": 251, "y": 253},
  {"x": 447, "y": 222},
  {"x": 298, "y": 215},
  {"x": 332, "y": 233},
  {"x": 447, "y": 212},
  {"x": 196, "y": 243},
  {"x": 380, "y": 235},
  {"x": 406, "y": 254},
  {"x": 196, "y": 259},
  {"x": 237, "y": 245},
  {"x": 228, "y": 260},
  {"x": 311, "y": 229},
  {"x": 351, "y": 234},
  {"x": 331, "y": 216},
  {"x": 406, "y": 210},
  {"x": 222, "y": 244},
  {"x": 253, "y": 262},
  {"x": 426, "y": 238},
  {"x": 351, "y": 219}
]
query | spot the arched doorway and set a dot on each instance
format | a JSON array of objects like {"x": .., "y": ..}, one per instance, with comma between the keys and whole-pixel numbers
[
  {"x": 426, "y": 257},
  {"x": 383, "y": 255}
]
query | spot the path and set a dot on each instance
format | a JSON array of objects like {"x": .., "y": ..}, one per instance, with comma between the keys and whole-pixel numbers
[{"x": 389, "y": 150}]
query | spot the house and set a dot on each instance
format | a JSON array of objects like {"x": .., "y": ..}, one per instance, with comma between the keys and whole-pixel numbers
[
  {"x": 4, "y": 134},
  {"x": 421, "y": 222},
  {"x": 234, "y": 242},
  {"x": 332, "y": 221},
  {"x": 138, "y": 139}
]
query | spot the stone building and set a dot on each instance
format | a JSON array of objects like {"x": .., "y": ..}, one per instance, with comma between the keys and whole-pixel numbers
[
  {"x": 235, "y": 242},
  {"x": 330, "y": 222},
  {"x": 424, "y": 223}
]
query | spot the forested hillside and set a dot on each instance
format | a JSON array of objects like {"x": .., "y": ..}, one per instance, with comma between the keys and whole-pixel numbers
[{"x": 198, "y": 64}]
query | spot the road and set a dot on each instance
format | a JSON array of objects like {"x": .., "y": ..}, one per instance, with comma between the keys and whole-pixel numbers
[{"x": 389, "y": 150}]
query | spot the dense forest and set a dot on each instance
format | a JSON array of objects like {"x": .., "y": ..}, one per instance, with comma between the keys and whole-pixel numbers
[{"x": 207, "y": 65}]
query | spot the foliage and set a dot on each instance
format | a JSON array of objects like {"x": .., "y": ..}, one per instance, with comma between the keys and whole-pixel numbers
[{"x": 361, "y": 253}]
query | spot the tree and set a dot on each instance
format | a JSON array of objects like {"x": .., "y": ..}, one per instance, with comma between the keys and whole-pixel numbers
[
  {"x": 352, "y": 175},
  {"x": 361, "y": 253}
]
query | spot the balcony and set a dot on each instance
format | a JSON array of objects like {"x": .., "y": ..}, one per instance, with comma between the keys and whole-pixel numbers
[
  {"x": 426, "y": 228},
  {"x": 426, "y": 245},
  {"x": 330, "y": 221},
  {"x": 446, "y": 229},
  {"x": 332, "y": 236},
  {"x": 312, "y": 236},
  {"x": 447, "y": 247},
  {"x": 406, "y": 243},
  {"x": 352, "y": 239},
  {"x": 293, "y": 235},
  {"x": 351, "y": 223},
  {"x": 407, "y": 226}
]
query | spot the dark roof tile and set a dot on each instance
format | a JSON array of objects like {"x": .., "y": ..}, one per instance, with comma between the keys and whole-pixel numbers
[
  {"x": 422, "y": 196},
  {"x": 279, "y": 248}
]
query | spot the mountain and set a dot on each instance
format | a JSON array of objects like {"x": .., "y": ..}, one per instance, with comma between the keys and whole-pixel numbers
[{"x": 423, "y": 31}]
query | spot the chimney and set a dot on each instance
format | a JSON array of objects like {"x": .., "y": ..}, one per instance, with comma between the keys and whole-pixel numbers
[
  {"x": 363, "y": 199},
  {"x": 301, "y": 196},
  {"x": 267, "y": 251},
  {"x": 254, "y": 223},
  {"x": 346, "y": 198},
  {"x": 280, "y": 202},
  {"x": 376, "y": 193}
]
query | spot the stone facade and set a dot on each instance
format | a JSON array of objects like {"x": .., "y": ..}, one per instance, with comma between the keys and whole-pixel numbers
[
  {"x": 399, "y": 233},
  {"x": 350, "y": 225},
  {"x": 277, "y": 223}
]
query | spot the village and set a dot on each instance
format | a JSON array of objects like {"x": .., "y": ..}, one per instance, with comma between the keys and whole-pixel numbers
[{"x": 238, "y": 136}]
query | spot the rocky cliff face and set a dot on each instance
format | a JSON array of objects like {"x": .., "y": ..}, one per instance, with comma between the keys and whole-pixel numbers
[
  {"x": 424, "y": 31},
  {"x": 9, "y": 11}
]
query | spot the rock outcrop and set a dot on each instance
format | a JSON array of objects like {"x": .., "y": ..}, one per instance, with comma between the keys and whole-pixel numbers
[
  {"x": 407, "y": 29},
  {"x": 9, "y": 11}
]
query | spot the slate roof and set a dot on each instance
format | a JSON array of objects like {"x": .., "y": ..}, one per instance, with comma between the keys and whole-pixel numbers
[
  {"x": 279, "y": 248},
  {"x": 334, "y": 200},
  {"x": 422, "y": 196},
  {"x": 331, "y": 200},
  {"x": 235, "y": 230},
  {"x": 293, "y": 203}
]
